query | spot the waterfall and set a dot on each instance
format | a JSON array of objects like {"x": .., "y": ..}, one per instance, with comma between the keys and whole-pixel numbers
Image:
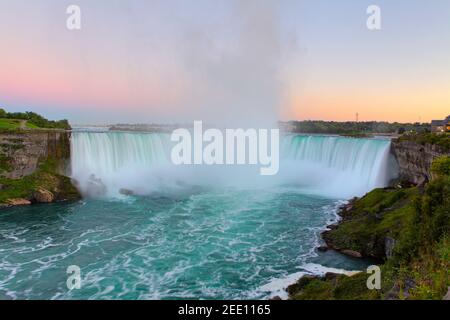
[
  {"x": 106, "y": 162},
  {"x": 109, "y": 163},
  {"x": 338, "y": 166}
]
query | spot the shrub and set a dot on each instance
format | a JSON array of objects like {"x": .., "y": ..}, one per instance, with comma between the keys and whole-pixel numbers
[{"x": 441, "y": 166}]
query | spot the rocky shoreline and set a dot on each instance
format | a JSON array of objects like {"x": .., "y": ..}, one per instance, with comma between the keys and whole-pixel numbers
[
  {"x": 33, "y": 167},
  {"x": 297, "y": 286},
  {"x": 329, "y": 244},
  {"x": 387, "y": 226},
  {"x": 301, "y": 283},
  {"x": 62, "y": 193},
  {"x": 404, "y": 229},
  {"x": 345, "y": 214}
]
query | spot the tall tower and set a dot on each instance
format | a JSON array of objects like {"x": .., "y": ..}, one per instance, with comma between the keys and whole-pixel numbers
[{"x": 357, "y": 117}]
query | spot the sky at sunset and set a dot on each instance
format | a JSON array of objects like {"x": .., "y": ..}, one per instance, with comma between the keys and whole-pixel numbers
[{"x": 176, "y": 60}]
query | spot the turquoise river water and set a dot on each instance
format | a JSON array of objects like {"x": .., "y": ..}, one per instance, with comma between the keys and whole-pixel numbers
[{"x": 180, "y": 234}]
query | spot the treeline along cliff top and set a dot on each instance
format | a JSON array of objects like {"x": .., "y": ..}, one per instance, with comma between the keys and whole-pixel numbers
[
  {"x": 29, "y": 120},
  {"x": 353, "y": 127}
]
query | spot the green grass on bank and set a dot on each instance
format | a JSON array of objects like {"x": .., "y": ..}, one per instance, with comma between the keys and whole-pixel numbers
[
  {"x": 14, "y": 124},
  {"x": 32, "y": 120},
  {"x": 9, "y": 124},
  {"x": 381, "y": 213},
  {"x": 340, "y": 287},
  {"x": 419, "y": 221},
  {"x": 45, "y": 177}
]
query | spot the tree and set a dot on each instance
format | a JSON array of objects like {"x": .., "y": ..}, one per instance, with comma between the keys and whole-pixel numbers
[{"x": 441, "y": 166}]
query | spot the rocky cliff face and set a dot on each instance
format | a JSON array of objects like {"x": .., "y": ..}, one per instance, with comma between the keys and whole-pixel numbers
[
  {"x": 415, "y": 160},
  {"x": 22, "y": 152},
  {"x": 34, "y": 166}
]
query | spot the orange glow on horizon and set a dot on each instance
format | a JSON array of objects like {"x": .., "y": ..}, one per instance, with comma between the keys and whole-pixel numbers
[{"x": 401, "y": 106}]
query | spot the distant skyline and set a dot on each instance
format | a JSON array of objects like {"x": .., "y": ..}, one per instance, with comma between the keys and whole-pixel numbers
[{"x": 149, "y": 61}]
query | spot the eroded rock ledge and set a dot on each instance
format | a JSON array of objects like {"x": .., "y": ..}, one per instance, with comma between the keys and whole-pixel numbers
[
  {"x": 406, "y": 229},
  {"x": 34, "y": 165},
  {"x": 414, "y": 159}
]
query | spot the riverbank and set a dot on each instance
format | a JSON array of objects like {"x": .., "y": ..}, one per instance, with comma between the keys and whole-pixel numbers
[
  {"x": 406, "y": 229},
  {"x": 42, "y": 186},
  {"x": 34, "y": 166}
]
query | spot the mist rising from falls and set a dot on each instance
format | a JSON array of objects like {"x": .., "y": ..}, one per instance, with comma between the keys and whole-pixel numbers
[
  {"x": 338, "y": 166},
  {"x": 105, "y": 162},
  {"x": 110, "y": 163}
]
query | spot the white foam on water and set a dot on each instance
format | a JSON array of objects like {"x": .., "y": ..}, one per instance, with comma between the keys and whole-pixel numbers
[
  {"x": 277, "y": 287},
  {"x": 104, "y": 163}
]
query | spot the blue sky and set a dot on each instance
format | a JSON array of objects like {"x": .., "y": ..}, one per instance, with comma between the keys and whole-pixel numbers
[{"x": 162, "y": 61}]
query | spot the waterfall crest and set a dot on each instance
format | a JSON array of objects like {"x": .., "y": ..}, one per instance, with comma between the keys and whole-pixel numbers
[
  {"x": 106, "y": 162},
  {"x": 111, "y": 162},
  {"x": 338, "y": 166}
]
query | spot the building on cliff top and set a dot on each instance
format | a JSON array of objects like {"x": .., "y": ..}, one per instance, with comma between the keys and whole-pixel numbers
[{"x": 439, "y": 126}]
